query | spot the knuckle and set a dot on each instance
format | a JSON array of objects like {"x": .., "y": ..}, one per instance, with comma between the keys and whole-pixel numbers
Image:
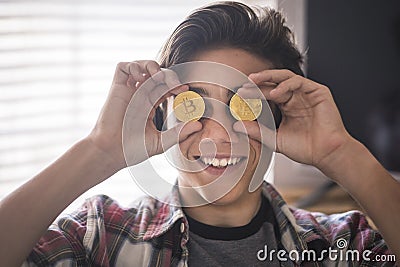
[
  {"x": 170, "y": 74},
  {"x": 151, "y": 64},
  {"x": 168, "y": 71},
  {"x": 121, "y": 65},
  {"x": 324, "y": 87},
  {"x": 298, "y": 77},
  {"x": 134, "y": 65},
  {"x": 287, "y": 72}
]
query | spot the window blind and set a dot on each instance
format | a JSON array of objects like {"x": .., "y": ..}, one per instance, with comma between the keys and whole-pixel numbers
[{"x": 57, "y": 60}]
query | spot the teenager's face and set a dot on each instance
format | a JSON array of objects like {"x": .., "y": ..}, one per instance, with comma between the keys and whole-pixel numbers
[{"x": 217, "y": 135}]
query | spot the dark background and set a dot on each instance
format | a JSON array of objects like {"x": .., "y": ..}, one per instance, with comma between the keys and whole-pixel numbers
[{"x": 354, "y": 48}]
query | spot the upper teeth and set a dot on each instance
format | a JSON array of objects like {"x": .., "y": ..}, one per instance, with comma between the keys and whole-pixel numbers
[{"x": 220, "y": 162}]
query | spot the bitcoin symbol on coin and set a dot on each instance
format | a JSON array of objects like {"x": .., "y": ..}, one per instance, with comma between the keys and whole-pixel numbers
[
  {"x": 245, "y": 109},
  {"x": 188, "y": 106}
]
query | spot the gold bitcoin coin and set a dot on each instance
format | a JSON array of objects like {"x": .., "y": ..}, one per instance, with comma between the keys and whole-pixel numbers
[
  {"x": 188, "y": 106},
  {"x": 245, "y": 109}
]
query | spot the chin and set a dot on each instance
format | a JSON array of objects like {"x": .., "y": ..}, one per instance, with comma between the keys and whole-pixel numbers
[
  {"x": 239, "y": 192},
  {"x": 231, "y": 197},
  {"x": 217, "y": 195}
]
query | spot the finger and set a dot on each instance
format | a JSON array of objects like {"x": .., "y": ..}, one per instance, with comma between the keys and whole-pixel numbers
[
  {"x": 158, "y": 92},
  {"x": 122, "y": 74},
  {"x": 262, "y": 92},
  {"x": 137, "y": 72},
  {"x": 153, "y": 69},
  {"x": 124, "y": 81},
  {"x": 171, "y": 78},
  {"x": 164, "y": 77},
  {"x": 285, "y": 90},
  {"x": 132, "y": 69},
  {"x": 157, "y": 98},
  {"x": 251, "y": 84},
  {"x": 179, "y": 133},
  {"x": 162, "y": 92},
  {"x": 282, "y": 96},
  {"x": 250, "y": 92},
  {"x": 150, "y": 69},
  {"x": 296, "y": 83},
  {"x": 271, "y": 76},
  {"x": 180, "y": 89},
  {"x": 257, "y": 132}
]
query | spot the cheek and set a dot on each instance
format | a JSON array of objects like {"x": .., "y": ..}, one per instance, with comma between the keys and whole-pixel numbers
[
  {"x": 189, "y": 145},
  {"x": 183, "y": 149},
  {"x": 255, "y": 149}
]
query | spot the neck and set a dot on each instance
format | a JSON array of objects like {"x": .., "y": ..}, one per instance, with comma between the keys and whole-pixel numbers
[{"x": 234, "y": 213}]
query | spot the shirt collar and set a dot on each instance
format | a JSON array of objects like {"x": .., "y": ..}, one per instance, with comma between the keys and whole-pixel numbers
[
  {"x": 298, "y": 229},
  {"x": 293, "y": 235},
  {"x": 167, "y": 212}
]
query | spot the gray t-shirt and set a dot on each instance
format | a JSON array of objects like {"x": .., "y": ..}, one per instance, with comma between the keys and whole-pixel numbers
[{"x": 237, "y": 246}]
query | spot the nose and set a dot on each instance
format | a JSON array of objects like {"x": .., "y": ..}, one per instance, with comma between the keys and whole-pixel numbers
[{"x": 219, "y": 126}]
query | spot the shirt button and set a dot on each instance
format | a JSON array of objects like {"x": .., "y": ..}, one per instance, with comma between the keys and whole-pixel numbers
[{"x": 182, "y": 228}]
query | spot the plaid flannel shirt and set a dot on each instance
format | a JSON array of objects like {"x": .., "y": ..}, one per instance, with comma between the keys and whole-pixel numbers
[{"x": 152, "y": 233}]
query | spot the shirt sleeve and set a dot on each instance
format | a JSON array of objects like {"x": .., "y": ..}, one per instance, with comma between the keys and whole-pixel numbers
[
  {"x": 359, "y": 243},
  {"x": 78, "y": 239}
]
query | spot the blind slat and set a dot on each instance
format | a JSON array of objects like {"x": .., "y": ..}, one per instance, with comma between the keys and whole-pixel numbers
[{"x": 57, "y": 61}]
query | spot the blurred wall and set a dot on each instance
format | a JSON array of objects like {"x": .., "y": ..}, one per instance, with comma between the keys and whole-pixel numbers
[{"x": 354, "y": 48}]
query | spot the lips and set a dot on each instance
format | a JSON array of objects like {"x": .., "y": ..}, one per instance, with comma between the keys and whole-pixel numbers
[
  {"x": 220, "y": 162},
  {"x": 216, "y": 165}
]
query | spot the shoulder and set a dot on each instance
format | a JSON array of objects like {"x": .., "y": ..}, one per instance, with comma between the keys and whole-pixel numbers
[
  {"x": 102, "y": 209},
  {"x": 332, "y": 225},
  {"x": 318, "y": 231},
  {"x": 316, "y": 225},
  {"x": 95, "y": 232},
  {"x": 348, "y": 230}
]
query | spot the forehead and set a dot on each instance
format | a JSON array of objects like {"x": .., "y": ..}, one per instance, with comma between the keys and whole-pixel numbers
[
  {"x": 211, "y": 73},
  {"x": 236, "y": 58},
  {"x": 223, "y": 67}
]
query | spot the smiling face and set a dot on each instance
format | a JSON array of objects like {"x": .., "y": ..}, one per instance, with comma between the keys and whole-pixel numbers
[{"x": 220, "y": 152}]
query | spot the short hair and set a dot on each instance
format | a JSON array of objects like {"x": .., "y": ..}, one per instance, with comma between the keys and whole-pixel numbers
[
  {"x": 260, "y": 31},
  {"x": 257, "y": 30}
]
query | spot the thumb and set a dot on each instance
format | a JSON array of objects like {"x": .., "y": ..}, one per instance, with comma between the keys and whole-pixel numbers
[
  {"x": 179, "y": 133},
  {"x": 257, "y": 132}
]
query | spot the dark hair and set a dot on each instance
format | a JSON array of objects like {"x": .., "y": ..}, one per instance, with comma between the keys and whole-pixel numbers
[{"x": 259, "y": 30}]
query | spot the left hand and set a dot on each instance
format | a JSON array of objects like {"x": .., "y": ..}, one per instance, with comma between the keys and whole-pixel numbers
[{"x": 311, "y": 130}]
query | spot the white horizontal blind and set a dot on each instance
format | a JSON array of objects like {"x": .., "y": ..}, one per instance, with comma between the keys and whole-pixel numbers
[{"x": 57, "y": 60}]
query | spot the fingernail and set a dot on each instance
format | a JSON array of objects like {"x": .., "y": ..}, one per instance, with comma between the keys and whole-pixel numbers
[
  {"x": 239, "y": 127},
  {"x": 248, "y": 85},
  {"x": 175, "y": 80}
]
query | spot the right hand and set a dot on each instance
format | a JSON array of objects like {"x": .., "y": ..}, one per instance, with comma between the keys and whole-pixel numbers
[{"x": 107, "y": 133}]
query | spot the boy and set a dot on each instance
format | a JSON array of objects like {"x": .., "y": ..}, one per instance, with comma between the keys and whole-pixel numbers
[{"x": 243, "y": 226}]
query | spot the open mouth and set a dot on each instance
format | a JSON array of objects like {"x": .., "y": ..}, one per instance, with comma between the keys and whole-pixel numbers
[{"x": 220, "y": 162}]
